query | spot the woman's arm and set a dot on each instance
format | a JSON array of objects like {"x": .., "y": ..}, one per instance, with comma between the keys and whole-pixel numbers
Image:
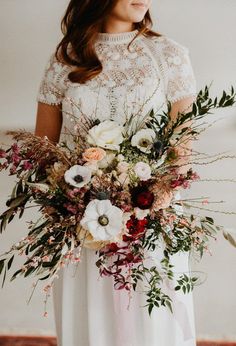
[
  {"x": 49, "y": 121},
  {"x": 183, "y": 106}
]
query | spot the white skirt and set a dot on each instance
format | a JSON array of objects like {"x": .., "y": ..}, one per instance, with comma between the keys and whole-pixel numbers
[{"x": 90, "y": 312}]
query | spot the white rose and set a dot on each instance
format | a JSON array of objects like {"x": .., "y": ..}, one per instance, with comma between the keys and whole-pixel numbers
[
  {"x": 108, "y": 135},
  {"x": 144, "y": 140},
  {"x": 142, "y": 170}
]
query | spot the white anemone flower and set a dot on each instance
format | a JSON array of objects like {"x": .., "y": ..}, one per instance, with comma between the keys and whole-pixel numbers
[
  {"x": 144, "y": 140},
  {"x": 103, "y": 220},
  {"x": 107, "y": 135},
  {"x": 78, "y": 176}
]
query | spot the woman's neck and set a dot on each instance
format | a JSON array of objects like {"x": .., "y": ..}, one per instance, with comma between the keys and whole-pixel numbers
[{"x": 114, "y": 26}]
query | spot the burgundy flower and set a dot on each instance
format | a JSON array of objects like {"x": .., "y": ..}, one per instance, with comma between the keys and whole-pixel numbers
[
  {"x": 15, "y": 158},
  {"x": 142, "y": 197},
  {"x": 113, "y": 247},
  {"x": 194, "y": 176},
  {"x": 2, "y": 154},
  {"x": 135, "y": 227},
  {"x": 180, "y": 181},
  {"x": 15, "y": 148},
  {"x": 27, "y": 165},
  {"x": 13, "y": 170},
  {"x": 175, "y": 183},
  {"x": 71, "y": 208}
]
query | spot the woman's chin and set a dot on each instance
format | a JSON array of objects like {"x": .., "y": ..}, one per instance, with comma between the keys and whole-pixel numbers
[{"x": 137, "y": 19}]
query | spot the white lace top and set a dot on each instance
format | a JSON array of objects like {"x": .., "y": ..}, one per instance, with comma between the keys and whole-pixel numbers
[{"x": 156, "y": 70}]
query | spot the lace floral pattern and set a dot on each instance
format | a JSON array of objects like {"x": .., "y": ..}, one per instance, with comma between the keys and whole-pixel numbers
[
  {"x": 174, "y": 60},
  {"x": 54, "y": 82},
  {"x": 154, "y": 70}
]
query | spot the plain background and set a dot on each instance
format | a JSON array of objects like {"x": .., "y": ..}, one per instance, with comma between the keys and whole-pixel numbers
[{"x": 29, "y": 32}]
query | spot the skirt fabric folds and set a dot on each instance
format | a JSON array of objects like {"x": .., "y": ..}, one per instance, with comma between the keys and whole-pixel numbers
[{"x": 90, "y": 312}]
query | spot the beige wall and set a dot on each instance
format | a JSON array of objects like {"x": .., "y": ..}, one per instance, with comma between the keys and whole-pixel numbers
[{"x": 29, "y": 31}]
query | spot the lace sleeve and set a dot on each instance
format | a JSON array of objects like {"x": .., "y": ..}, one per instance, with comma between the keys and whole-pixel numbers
[
  {"x": 53, "y": 83},
  {"x": 180, "y": 79}
]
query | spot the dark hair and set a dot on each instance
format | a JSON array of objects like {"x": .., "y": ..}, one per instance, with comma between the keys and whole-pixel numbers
[{"x": 80, "y": 26}]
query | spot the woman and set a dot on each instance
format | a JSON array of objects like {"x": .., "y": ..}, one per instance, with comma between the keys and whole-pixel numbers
[{"x": 96, "y": 72}]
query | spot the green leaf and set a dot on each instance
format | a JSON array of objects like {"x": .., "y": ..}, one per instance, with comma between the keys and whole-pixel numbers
[
  {"x": 16, "y": 202},
  {"x": 3, "y": 223},
  {"x": 14, "y": 276},
  {"x": 14, "y": 192},
  {"x": 45, "y": 277},
  {"x": 4, "y": 277},
  {"x": 9, "y": 264},
  {"x": 29, "y": 271},
  {"x": 1, "y": 265},
  {"x": 209, "y": 219},
  {"x": 230, "y": 238},
  {"x": 150, "y": 308},
  {"x": 169, "y": 305}
]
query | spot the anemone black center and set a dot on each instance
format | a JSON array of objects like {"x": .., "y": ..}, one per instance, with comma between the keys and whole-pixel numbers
[
  {"x": 103, "y": 220},
  {"x": 78, "y": 178},
  {"x": 144, "y": 143}
]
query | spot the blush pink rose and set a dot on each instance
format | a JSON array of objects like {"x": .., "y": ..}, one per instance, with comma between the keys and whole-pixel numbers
[{"x": 94, "y": 154}]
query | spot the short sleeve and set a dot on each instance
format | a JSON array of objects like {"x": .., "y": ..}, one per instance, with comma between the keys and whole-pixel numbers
[
  {"x": 180, "y": 78},
  {"x": 54, "y": 82}
]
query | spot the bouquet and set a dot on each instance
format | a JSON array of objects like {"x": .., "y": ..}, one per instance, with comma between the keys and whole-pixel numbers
[{"x": 116, "y": 192}]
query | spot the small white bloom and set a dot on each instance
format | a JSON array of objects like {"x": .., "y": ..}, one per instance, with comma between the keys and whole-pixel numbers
[
  {"x": 93, "y": 165},
  {"x": 144, "y": 140},
  {"x": 142, "y": 170},
  {"x": 99, "y": 172},
  {"x": 123, "y": 179},
  {"x": 108, "y": 135},
  {"x": 78, "y": 176},
  {"x": 120, "y": 157},
  {"x": 104, "y": 163},
  {"x": 122, "y": 167},
  {"x": 102, "y": 220}
]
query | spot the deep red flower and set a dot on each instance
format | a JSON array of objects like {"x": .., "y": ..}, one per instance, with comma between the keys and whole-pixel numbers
[
  {"x": 113, "y": 247},
  {"x": 142, "y": 197},
  {"x": 135, "y": 227},
  {"x": 175, "y": 183}
]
